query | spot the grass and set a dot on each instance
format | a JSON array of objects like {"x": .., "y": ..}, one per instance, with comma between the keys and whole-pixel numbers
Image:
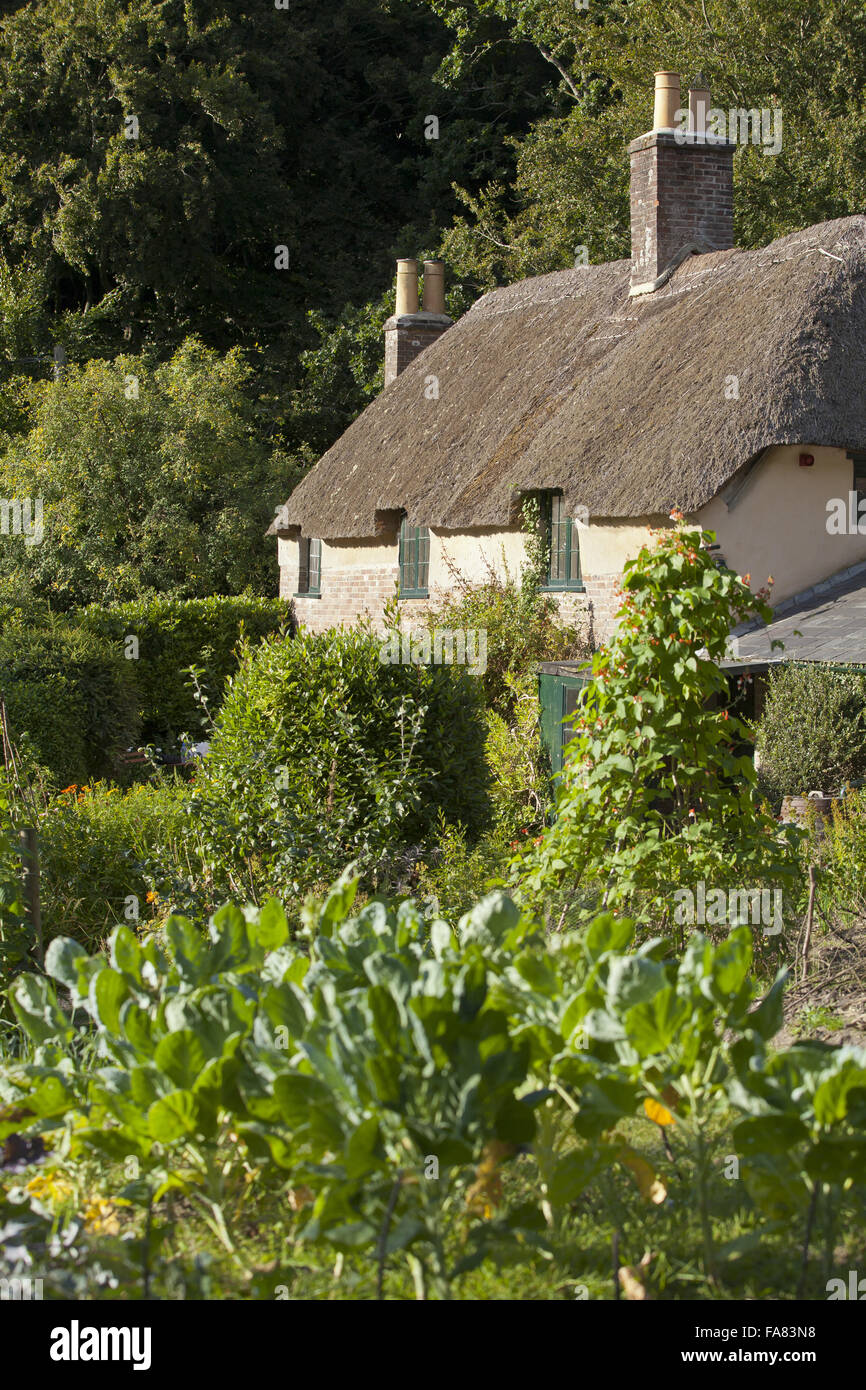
[
  {"x": 815, "y": 1016},
  {"x": 757, "y": 1259}
]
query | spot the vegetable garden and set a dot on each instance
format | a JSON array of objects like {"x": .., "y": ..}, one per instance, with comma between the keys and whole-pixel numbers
[{"x": 543, "y": 1088}]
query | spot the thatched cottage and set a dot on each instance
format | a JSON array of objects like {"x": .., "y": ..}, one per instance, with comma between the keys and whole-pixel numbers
[{"x": 728, "y": 383}]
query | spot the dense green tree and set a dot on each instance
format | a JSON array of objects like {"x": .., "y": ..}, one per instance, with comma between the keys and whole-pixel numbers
[
  {"x": 571, "y": 185},
  {"x": 153, "y": 479},
  {"x": 153, "y": 157}
]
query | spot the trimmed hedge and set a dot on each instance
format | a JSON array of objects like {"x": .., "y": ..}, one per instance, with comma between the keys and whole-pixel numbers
[
  {"x": 70, "y": 699},
  {"x": 174, "y": 634}
]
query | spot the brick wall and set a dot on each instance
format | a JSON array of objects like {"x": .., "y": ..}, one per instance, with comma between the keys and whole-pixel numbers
[
  {"x": 679, "y": 193},
  {"x": 407, "y": 336},
  {"x": 604, "y": 594},
  {"x": 355, "y": 592},
  {"x": 347, "y": 595}
]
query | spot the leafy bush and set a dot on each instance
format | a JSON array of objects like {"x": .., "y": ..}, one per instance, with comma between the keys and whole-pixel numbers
[
  {"x": 155, "y": 479},
  {"x": 456, "y": 872},
  {"x": 324, "y": 753},
  {"x": 14, "y": 942},
  {"x": 70, "y": 699},
  {"x": 176, "y": 634},
  {"x": 520, "y": 768},
  {"x": 811, "y": 735},
  {"x": 109, "y": 856},
  {"x": 837, "y": 846},
  {"x": 523, "y": 627}
]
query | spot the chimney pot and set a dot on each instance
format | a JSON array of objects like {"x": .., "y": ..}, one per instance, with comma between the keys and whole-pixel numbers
[
  {"x": 699, "y": 105},
  {"x": 408, "y": 332},
  {"x": 407, "y": 287},
  {"x": 667, "y": 100},
  {"x": 434, "y": 287}
]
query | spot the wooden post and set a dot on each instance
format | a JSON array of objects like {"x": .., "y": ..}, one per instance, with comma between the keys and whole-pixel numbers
[
  {"x": 30, "y": 861},
  {"x": 807, "y": 931}
]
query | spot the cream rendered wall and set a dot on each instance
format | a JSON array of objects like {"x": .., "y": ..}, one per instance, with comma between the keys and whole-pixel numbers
[
  {"x": 363, "y": 554},
  {"x": 778, "y": 525},
  {"x": 471, "y": 552},
  {"x": 288, "y": 559},
  {"x": 336, "y": 555},
  {"x": 604, "y": 548},
  {"x": 606, "y": 545}
]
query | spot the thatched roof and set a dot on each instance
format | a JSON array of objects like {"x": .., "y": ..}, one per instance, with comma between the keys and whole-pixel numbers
[{"x": 565, "y": 382}]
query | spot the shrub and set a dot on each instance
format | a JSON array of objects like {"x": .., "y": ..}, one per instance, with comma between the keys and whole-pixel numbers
[
  {"x": 323, "y": 753},
  {"x": 70, "y": 699},
  {"x": 172, "y": 636},
  {"x": 812, "y": 731},
  {"x": 457, "y": 872},
  {"x": 519, "y": 766},
  {"x": 110, "y": 856},
  {"x": 523, "y": 627},
  {"x": 167, "y": 487}
]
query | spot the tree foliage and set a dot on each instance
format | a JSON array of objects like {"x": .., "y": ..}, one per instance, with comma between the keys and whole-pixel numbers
[
  {"x": 154, "y": 479},
  {"x": 570, "y": 188}
]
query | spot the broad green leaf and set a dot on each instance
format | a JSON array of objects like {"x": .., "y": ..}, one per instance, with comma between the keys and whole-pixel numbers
[
  {"x": 652, "y": 1027},
  {"x": 108, "y": 990},
  {"x": 173, "y": 1117},
  {"x": 61, "y": 958},
  {"x": 181, "y": 1056},
  {"x": 272, "y": 927},
  {"x": 769, "y": 1134}
]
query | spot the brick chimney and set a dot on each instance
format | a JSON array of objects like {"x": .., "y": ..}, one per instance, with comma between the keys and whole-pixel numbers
[
  {"x": 409, "y": 331},
  {"x": 681, "y": 186}
]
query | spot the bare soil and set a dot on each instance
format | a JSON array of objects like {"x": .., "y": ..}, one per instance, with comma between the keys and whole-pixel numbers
[{"x": 830, "y": 1004}]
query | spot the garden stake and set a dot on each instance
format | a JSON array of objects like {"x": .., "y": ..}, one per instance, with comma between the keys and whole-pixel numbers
[
  {"x": 807, "y": 937},
  {"x": 383, "y": 1234},
  {"x": 810, "y": 1217},
  {"x": 30, "y": 861}
]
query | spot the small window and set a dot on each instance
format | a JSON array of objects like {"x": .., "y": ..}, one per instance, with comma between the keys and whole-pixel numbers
[
  {"x": 310, "y": 567},
  {"x": 414, "y": 560},
  {"x": 560, "y": 531},
  {"x": 859, "y": 475}
]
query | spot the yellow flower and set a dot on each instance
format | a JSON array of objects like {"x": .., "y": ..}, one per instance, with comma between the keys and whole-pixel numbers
[
  {"x": 100, "y": 1217},
  {"x": 50, "y": 1187},
  {"x": 659, "y": 1113}
]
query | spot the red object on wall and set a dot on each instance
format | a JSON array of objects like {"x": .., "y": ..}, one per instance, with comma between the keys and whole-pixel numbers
[{"x": 806, "y": 460}]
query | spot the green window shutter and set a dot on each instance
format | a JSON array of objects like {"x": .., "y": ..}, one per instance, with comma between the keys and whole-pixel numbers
[
  {"x": 315, "y": 573},
  {"x": 414, "y": 555}
]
